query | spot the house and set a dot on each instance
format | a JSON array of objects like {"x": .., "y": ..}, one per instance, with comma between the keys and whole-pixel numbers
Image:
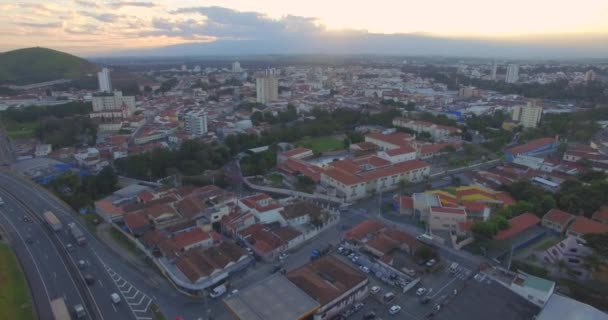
[
  {"x": 423, "y": 202},
  {"x": 331, "y": 282},
  {"x": 263, "y": 207},
  {"x": 601, "y": 215},
  {"x": 297, "y": 153},
  {"x": 300, "y": 212},
  {"x": 191, "y": 208},
  {"x": 161, "y": 214},
  {"x": 532, "y": 148},
  {"x": 401, "y": 154},
  {"x": 137, "y": 223},
  {"x": 534, "y": 289},
  {"x": 390, "y": 141},
  {"x": 518, "y": 225},
  {"x": 269, "y": 241},
  {"x": 194, "y": 238},
  {"x": 557, "y": 220},
  {"x": 572, "y": 253},
  {"x": 446, "y": 218},
  {"x": 363, "y": 230},
  {"x": 390, "y": 239},
  {"x": 436, "y": 131},
  {"x": 582, "y": 226},
  {"x": 237, "y": 221},
  {"x": 403, "y": 204}
]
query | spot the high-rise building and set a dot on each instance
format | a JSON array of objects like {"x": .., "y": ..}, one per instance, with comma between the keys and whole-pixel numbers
[
  {"x": 195, "y": 123},
  {"x": 512, "y": 73},
  {"x": 184, "y": 68},
  {"x": 112, "y": 105},
  {"x": 236, "y": 67},
  {"x": 267, "y": 87},
  {"x": 105, "y": 83},
  {"x": 528, "y": 116},
  {"x": 590, "y": 76},
  {"x": 493, "y": 72}
]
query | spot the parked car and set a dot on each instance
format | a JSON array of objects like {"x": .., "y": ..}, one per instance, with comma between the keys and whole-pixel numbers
[
  {"x": 69, "y": 247},
  {"x": 364, "y": 269},
  {"x": 375, "y": 289},
  {"x": 369, "y": 316},
  {"x": 425, "y": 300},
  {"x": 82, "y": 264},
  {"x": 389, "y": 296},
  {"x": 26, "y": 219},
  {"x": 431, "y": 263},
  {"x": 115, "y": 298},
  {"x": 358, "y": 306},
  {"x": 420, "y": 291},
  {"x": 394, "y": 309},
  {"x": 89, "y": 279}
]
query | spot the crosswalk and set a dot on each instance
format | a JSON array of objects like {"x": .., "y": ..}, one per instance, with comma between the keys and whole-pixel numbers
[{"x": 137, "y": 301}]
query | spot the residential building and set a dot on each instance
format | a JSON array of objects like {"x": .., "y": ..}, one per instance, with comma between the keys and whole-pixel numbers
[
  {"x": 423, "y": 202},
  {"x": 112, "y": 105},
  {"x": 469, "y": 92},
  {"x": 446, "y": 218},
  {"x": 569, "y": 251},
  {"x": 195, "y": 123},
  {"x": 512, "y": 75},
  {"x": 590, "y": 75},
  {"x": 582, "y": 226},
  {"x": 300, "y": 212},
  {"x": 383, "y": 244},
  {"x": 534, "y": 289},
  {"x": 535, "y": 147},
  {"x": 103, "y": 78},
  {"x": 263, "y": 207},
  {"x": 236, "y": 67},
  {"x": 296, "y": 153},
  {"x": 331, "y": 282},
  {"x": 557, "y": 220},
  {"x": 527, "y": 116},
  {"x": 275, "y": 297},
  {"x": 43, "y": 150},
  {"x": 267, "y": 87},
  {"x": 493, "y": 71},
  {"x": 403, "y": 204},
  {"x": 517, "y": 225},
  {"x": 436, "y": 131}
]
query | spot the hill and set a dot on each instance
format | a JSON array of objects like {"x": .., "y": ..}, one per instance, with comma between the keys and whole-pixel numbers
[{"x": 32, "y": 65}]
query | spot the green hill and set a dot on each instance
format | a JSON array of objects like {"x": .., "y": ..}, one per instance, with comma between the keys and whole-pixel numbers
[{"x": 32, "y": 65}]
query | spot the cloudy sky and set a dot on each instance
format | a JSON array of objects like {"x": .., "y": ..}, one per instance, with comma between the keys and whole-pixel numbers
[{"x": 98, "y": 27}]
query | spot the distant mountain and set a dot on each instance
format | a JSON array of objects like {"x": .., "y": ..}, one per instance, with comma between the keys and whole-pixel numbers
[{"x": 32, "y": 65}]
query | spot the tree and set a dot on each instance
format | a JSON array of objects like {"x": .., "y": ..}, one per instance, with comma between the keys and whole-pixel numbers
[
  {"x": 598, "y": 242},
  {"x": 424, "y": 253}
]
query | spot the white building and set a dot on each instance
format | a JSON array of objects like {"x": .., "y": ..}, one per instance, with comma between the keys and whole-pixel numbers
[
  {"x": 103, "y": 78},
  {"x": 43, "y": 150},
  {"x": 528, "y": 116},
  {"x": 512, "y": 73},
  {"x": 590, "y": 76},
  {"x": 263, "y": 207},
  {"x": 196, "y": 123},
  {"x": 236, "y": 67},
  {"x": 493, "y": 72},
  {"x": 267, "y": 88},
  {"x": 534, "y": 289},
  {"x": 115, "y": 104}
]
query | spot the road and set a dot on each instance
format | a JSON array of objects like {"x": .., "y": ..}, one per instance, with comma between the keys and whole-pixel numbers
[{"x": 58, "y": 274}]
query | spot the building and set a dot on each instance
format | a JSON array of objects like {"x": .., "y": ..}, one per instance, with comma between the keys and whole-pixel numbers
[
  {"x": 236, "y": 67},
  {"x": 112, "y": 105},
  {"x": 195, "y": 123},
  {"x": 389, "y": 141},
  {"x": 517, "y": 225},
  {"x": 527, "y": 116},
  {"x": 332, "y": 283},
  {"x": 582, "y": 226},
  {"x": 423, "y": 202},
  {"x": 561, "y": 307},
  {"x": 601, "y": 215},
  {"x": 557, "y": 220},
  {"x": 493, "y": 71},
  {"x": 532, "y": 148},
  {"x": 469, "y": 92},
  {"x": 436, "y": 131},
  {"x": 267, "y": 87},
  {"x": 263, "y": 207},
  {"x": 103, "y": 78},
  {"x": 272, "y": 298},
  {"x": 571, "y": 252},
  {"x": 296, "y": 153},
  {"x": 512, "y": 75},
  {"x": 590, "y": 76},
  {"x": 446, "y": 218},
  {"x": 534, "y": 289}
]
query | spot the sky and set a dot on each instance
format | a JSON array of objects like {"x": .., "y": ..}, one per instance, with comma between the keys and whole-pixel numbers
[{"x": 99, "y": 27}]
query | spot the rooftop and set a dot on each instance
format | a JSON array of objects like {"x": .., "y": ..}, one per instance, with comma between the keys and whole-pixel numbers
[
  {"x": 558, "y": 216},
  {"x": 272, "y": 298},
  {"x": 530, "y": 146},
  {"x": 363, "y": 229},
  {"x": 560, "y": 307},
  {"x": 517, "y": 225},
  {"x": 584, "y": 225}
]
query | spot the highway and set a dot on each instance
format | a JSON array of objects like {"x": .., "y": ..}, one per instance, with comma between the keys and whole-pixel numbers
[{"x": 52, "y": 270}]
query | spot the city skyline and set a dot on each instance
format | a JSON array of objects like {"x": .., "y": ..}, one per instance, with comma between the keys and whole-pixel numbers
[{"x": 100, "y": 28}]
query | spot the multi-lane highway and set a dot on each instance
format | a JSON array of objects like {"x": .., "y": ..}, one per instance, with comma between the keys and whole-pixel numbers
[{"x": 53, "y": 271}]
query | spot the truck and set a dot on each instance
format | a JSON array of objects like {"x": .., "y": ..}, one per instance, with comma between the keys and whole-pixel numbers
[
  {"x": 52, "y": 221},
  {"x": 77, "y": 234},
  {"x": 60, "y": 310}
]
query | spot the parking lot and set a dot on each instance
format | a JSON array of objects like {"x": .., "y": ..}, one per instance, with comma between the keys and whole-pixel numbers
[{"x": 422, "y": 297}]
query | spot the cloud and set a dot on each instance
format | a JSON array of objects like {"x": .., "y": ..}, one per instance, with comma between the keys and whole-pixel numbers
[
  {"x": 86, "y": 29},
  {"x": 121, "y": 4},
  {"x": 103, "y": 17},
  {"x": 87, "y": 3},
  {"x": 39, "y": 25}
]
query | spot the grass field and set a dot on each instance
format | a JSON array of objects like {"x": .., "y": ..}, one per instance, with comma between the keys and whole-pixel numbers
[
  {"x": 15, "y": 301},
  {"x": 321, "y": 144},
  {"x": 20, "y": 130}
]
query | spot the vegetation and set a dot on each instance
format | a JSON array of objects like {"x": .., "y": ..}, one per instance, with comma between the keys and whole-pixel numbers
[
  {"x": 259, "y": 163},
  {"x": 583, "y": 198},
  {"x": 81, "y": 191},
  {"x": 31, "y": 65},
  {"x": 191, "y": 159},
  {"x": 599, "y": 243},
  {"x": 577, "y": 126},
  {"x": 14, "y": 295},
  {"x": 286, "y": 116},
  {"x": 305, "y": 184},
  {"x": 123, "y": 241},
  {"x": 321, "y": 144},
  {"x": 530, "y": 269}
]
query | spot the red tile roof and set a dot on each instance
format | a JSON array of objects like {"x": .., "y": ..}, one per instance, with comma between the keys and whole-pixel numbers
[
  {"x": 397, "y": 138},
  {"x": 400, "y": 151},
  {"x": 364, "y": 228},
  {"x": 146, "y": 196},
  {"x": 474, "y": 206},
  {"x": 295, "y": 152},
  {"x": 517, "y": 225},
  {"x": 295, "y": 166},
  {"x": 582, "y": 225},
  {"x": 458, "y": 211},
  {"x": 505, "y": 197},
  {"x": 527, "y": 147},
  {"x": 184, "y": 239},
  {"x": 601, "y": 213},
  {"x": 252, "y": 202},
  {"x": 158, "y": 210},
  {"x": 558, "y": 216},
  {"x": 136, "y": 220},
  {"x": 405, "y": 202}
]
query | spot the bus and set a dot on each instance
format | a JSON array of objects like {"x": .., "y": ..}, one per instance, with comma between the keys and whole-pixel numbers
[{"x": 60, "y": 310}]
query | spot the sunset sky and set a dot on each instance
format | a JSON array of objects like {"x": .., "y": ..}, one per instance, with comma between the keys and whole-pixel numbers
[{"x": 97, "y": 27}]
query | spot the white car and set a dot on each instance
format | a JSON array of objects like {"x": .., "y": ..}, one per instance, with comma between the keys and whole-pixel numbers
[
  {"x": 420, "y": 291},
  {"x": 375, "y": 289},
  {"x": 394, "y": 309},
  {"x": 115, "y": 297},
  {"x": 364, "y": 269}
]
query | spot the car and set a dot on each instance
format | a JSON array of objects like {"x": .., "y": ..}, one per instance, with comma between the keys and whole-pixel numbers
[
  {"x": 369, "y": 316},
  {"x": 340, "y": 249},
  {"x": 115, "y": 298},
  {"x": 29, "y": 240},
  {"x": 389, "y": 296},
  {"x": 351, "y": 255},
  {"x": 249, "y": 250},
  {"x": 420, "y": 291},
  {"x": 81, "y": 264},
  {"x": 425, "y": 300},
  {"x": 26, "y": 219},
  {"x": 394, "y": 309},
  {"x": 364, "y": 269},
  {"x": 375, "y": 289},
  {"x": 1, "y": 201},
  {"x": 69, "y": 247},
  {"x": 431, "y": 263},
  {"x": 358, "y": 306},
  {"x": 89, "y": 279}
]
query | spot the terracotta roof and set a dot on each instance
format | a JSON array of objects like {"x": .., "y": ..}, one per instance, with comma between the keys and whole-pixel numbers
[
  {"x": 474, "y": 206},
  {"x": 295, "y": 152},
  {"x": 158, "y": 210},
  {"x": 601, "y": 213},
  {"x": 582, "y": 225},
  {"x": 382, "y": 243},
  {"x": 405, "y": 202},
  {"x": 294, "y": 166},
  {"x": 152, "y": 237},
  {"x": 505, "y": 197},
  {"x": 372, "y": 160},
  {"x": 136, "y": 220},
  {"x": 202, "y": 262},
  {"x": 286, "y": 233},
  {"x": 299, "y": 209},
  {"x": 365, "y": 145},
  {"x": 364, "y": 228},
  {"x": 252, "y": 202},
  {"x": 108, "y": 208},
  {"x": 400, "y": 151},
  {"x": 326, "y": 278},
  {"x": 458, "y": 211},
  {"x": 558, "y": 216},
  {"x": 517, "y": 225},
  {"x": 530, "y": 146},
  {"x": 401, "y": 237},
  {"x": 184, "y": 239},
  {"x": 397, "y": 138},
  {"x": 190, "y": 207},
  {"x": 146, "y": 196}
]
